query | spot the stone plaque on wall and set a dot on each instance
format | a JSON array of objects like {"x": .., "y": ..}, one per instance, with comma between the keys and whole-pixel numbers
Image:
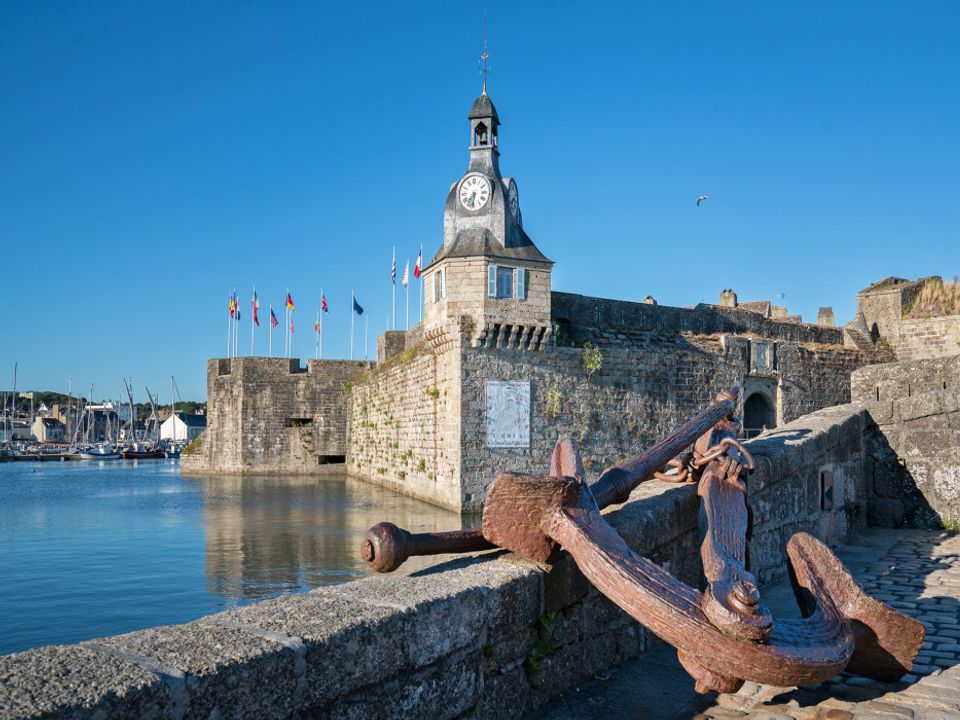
[{"x": 508, "y": 414}]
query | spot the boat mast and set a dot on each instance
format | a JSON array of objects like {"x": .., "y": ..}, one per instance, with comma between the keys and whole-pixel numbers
[
  {"x": 154, "y": 418},
  {"x": 133, "y": 414},
  {"x": 69, "y": 402}
]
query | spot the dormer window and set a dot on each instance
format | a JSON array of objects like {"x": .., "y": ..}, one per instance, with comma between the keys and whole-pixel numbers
[{"x": 480, "y": 135}]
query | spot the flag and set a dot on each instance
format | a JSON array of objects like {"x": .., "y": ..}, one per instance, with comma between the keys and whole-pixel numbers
[
  {"x": 291, "y": 323},
  {"x": 255, "y": 304},
  {"x": 323, "y": 303},
  {"x": 316, "y": 327},
  {"x": 406, "y": 274},
  {"x": 233, "y": 304},
  {"x": 393, "y": 271},
  {"x": 356, "y": 307},
  {"x": 418, "y": 268},
  {"x": 289, "y": 302},
  {"x": 273, "y": 319},
  {"x": 237, "y": 315}
]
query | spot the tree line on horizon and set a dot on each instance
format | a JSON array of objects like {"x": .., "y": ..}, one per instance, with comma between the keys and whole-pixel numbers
[{"x": 51, "y": 398}]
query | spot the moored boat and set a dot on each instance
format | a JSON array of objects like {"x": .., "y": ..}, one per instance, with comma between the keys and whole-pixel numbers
[
  {"x": 153, "y": 454},
  {"x": 99, "y": 452}
]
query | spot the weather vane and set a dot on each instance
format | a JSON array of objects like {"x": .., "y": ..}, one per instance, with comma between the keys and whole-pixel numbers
[{"x": 484, "y": 68}]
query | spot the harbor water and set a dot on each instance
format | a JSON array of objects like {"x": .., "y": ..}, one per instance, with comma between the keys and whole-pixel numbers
[{"x": 89, "y": 549}]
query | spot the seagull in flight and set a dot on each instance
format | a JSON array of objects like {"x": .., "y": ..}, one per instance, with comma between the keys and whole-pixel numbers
[{"x": 701, "y": 199}]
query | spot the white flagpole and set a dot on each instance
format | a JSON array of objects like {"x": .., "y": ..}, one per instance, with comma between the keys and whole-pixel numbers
[
  {"x": 320, "y": 353},
  {"x": 393, "y": 287},
  {"x": 271, "y": 329},
  {"x": 352, "y": 313},
  {"x": 421, "y": 282},
  {"x": 229, "y": 320},
  {"x": 365, "y": 326},
  {"x": 286, "y": 326},
  {"x": 317, "y": 342},
  {"x": 251, "y": 320}
]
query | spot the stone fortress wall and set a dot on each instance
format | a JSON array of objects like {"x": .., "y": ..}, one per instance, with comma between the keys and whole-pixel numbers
[
  {"x": 914, "y": 443},
  {"x": 884, "y": 309},
  {"x": 271, "y": 415},
  {"x": 419, "y": 423}
]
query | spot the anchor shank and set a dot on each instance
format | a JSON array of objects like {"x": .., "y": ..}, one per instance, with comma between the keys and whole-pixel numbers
[{"x": 617, "y": 482}]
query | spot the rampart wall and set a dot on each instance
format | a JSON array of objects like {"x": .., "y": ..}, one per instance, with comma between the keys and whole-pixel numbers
[
  {"x": 404, "y": 428},
  {"x": 585, "y": 311},
  {"x": 926, "y": 338},
  {"x": 419, "y": 421},
  {"x": 914, "y": 440},
  {"x": 643, "y": 390},
  {"x": 269, "y": 415},
  {"x": 489, "y": 637}
]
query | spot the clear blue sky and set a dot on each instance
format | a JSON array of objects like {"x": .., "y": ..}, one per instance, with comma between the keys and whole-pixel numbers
[{"x": 154, "y": 156}]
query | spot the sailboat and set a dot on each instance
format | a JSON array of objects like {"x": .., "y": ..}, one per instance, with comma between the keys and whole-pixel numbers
[{"x": 148, "y": 448}]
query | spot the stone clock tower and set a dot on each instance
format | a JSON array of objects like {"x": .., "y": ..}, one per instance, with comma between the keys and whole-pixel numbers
[{"x": 488, "y": 277}]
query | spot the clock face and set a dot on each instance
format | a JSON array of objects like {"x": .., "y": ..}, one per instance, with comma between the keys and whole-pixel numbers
[
  {"x": 513, "y": 200},
  {"x": 474, "y": 192}
]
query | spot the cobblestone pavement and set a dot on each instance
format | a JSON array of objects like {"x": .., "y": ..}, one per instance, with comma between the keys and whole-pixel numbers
[{"x": 915, "y": 571}]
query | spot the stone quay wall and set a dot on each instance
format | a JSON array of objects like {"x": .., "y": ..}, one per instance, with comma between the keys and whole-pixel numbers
[
  {"x": 914, "y": 441},
  {"x": 492, "y": 636},
  {"x": 270, "y": 415}
]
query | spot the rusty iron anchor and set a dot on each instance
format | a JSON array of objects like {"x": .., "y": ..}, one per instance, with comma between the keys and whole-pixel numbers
[{"x": 724, "y": 635}]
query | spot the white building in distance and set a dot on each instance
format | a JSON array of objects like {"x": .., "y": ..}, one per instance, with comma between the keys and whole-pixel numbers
[{"x": 183, "y": 427}]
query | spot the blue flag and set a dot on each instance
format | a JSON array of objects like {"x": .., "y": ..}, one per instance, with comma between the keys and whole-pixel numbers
[{"x": 356, "y": 307}]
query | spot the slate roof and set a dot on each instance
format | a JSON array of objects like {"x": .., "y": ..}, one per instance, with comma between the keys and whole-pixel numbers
[
  {"x": 483, "y": 108},
  {"x": 474, "y": 242},
  {"x": 193, "y": 420}
]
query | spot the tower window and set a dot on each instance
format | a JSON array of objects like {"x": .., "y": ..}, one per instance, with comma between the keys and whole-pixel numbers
[
  {"x": 504, "y": 282},
  {"x": 480, "y": 136}
]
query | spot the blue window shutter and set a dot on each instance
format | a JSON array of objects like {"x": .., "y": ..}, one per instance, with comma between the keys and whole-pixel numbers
[
  {"x": 492, "y": 280},
  {"x": 522, "y": 283}
]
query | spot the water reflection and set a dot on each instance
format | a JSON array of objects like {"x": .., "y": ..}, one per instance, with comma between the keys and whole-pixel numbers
[
  {"x": 266, "y": 536},
  {"x": 93, "y": 549}
]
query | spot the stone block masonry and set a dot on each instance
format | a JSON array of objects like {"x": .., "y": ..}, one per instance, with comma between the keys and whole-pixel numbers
[
  {"x": 914, "y": 442},
  {"x": 418, "y": 420},
  {"x": 492, "y": 636},
  {"x": 404, "y": 429},
  {"x": 270, "y": 415}
]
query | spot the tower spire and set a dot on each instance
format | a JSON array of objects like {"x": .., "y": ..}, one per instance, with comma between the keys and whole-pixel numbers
[{"x": 484, "y": 56}]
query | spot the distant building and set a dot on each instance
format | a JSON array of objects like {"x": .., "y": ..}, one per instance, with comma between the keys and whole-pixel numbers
[
  {"x": 183, "y": 427},
  {"x": 48, "y": 429}
]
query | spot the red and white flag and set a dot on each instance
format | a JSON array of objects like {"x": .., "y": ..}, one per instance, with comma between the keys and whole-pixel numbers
[
  {"x": 291, "y": 323},
  {"x": 418, "y": 268}
]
